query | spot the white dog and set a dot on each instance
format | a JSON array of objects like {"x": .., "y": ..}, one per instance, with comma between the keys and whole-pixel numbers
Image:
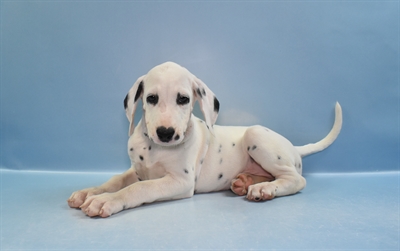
[{"x": 175, "y": 154}]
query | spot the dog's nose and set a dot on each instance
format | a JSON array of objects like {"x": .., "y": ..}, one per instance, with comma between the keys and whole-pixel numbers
[{"x": 165, "y": 134}]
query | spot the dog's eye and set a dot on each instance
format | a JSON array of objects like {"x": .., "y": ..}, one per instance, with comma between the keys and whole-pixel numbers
[
  {"x": 152, "y": 99},
  {"x": 182, "y": 100}
]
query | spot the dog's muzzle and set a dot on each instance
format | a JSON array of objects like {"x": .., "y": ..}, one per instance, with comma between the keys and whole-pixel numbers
[{"x": 165, "y": 134}]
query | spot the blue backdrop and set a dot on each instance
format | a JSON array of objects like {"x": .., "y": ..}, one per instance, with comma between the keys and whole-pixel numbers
[{"x": 67, "y": 66}]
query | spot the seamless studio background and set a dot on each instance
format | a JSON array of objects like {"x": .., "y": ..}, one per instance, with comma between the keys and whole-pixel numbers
[{"x": 66, "y": 67}]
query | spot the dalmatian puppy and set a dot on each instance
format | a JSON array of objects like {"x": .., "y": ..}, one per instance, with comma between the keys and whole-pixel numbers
[{"x": 175, "y": 154}]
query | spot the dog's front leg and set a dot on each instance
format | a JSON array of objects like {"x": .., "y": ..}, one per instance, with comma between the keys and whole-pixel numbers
[
  {"x": 166, "y": 188},
  {"x": 116, "y": 183}
]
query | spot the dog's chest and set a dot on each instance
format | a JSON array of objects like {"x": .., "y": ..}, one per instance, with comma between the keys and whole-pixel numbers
[{"x": 145, "y": 157}]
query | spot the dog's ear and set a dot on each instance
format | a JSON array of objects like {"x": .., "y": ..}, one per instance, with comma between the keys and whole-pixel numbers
[
  {"x": 209, "y": 104},
  {"x": 131, "y": 100}
]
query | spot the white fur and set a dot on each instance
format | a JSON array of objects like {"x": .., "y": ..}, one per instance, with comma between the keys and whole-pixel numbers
[{"x": 204, "y": 158}]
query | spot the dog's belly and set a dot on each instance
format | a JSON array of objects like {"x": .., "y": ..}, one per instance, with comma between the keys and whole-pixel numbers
[
  {"x": 225, "y": 159},
  {"x": 254, "y": 168}
]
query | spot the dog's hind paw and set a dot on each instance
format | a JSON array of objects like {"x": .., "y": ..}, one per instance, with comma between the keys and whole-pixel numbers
[
  {"x": 241, "y": 184},
  {"x": 262, "y": 191}
]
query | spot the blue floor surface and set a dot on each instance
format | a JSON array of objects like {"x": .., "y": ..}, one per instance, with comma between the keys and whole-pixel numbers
[{"x": 334, "y": 212}]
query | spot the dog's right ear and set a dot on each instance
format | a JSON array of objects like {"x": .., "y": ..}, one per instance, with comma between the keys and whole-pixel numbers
[
  {"x": 131, "y": 100},
  {"x": 209, "y": 104}
]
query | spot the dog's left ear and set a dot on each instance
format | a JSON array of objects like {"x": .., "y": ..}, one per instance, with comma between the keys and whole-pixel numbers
[
  {"x": 209, "y": 104},
  {"x": 131, "y": 100}
]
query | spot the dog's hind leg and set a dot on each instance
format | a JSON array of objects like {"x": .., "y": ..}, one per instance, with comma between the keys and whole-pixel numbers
[{"x": 278, "y": 157}]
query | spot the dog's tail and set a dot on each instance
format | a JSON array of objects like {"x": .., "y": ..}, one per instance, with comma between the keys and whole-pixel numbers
[{"x": 328, "y": 140}]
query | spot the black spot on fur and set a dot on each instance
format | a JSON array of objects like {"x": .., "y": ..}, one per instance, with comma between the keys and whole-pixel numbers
[
  {"x": 126, "y": 101},
  {"x": 233, "y": 144},
  {"x": 139, "y": 179},
  {"x": 186, "y": 171},
  {"x": 201, "y": 161},
  {"x": 199, "y": 93},
  {"x": 216, "y": 104},
  {"x": 204, "y": 92},
  {"x": 279, "y": 157},
  {"x": 149, "y": 148},
  {"x": 220, "y": 161},
  {"x": 248, "y": 148},
  {"x": 254, "y": 147},
  {"x": 131, "y": 149},
  {"x": 141, "y": 157},
  {"x": 220, "y": 148},
  {"x": 139, "y": 91},
  {"x": 146, "y": 135},
  {"x": 220, "y": 176},
  {"x": 195, "y": 179},
  {"x": 177, "y": 137},
  {"x": 144, "y": 148}
]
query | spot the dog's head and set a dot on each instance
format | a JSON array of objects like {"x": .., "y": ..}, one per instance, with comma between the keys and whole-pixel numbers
[{"x": 169, "y": 92}]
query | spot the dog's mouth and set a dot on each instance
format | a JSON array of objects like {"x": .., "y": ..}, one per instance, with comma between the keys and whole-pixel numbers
[{"x": 172, "y": 142}]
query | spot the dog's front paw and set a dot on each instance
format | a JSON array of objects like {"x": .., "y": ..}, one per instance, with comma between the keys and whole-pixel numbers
[
  {"x": 78, "y": 198},
  {"x": 262, "y": 191},
  {"x": 102, "y": 205}
]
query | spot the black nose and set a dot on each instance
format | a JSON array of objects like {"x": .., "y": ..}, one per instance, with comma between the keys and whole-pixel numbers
[{"x": 165, "y": 134}]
